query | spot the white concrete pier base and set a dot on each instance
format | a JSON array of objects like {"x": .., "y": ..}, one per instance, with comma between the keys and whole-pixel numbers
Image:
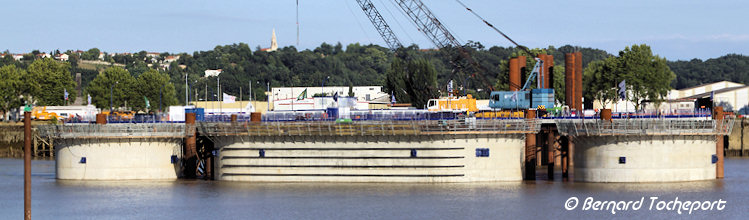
[
  {"x": 646, "y": 158},
  {"x": 117, "y": 159},
  {"x": 436, "y": 158}
]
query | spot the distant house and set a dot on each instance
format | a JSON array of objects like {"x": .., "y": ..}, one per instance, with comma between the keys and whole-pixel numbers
[
  {"x": 209, "y": 73},
  {"x": 17, "y": 57},
  {"x": 152, "y": 54},
  {"x": 170, "y": 59},
  {"x": 44, "y": 55},
  {"x": 101, "y": 55},
  {"x": 62, "y": 57}
]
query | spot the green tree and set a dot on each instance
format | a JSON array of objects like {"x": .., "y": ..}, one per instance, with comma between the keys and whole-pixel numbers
[
  {"x": 421, "y": 82},
  {"x": 154, "y": 85},
  {"x": 10, "y": 88},
  {"x": 123, "y": 88},
  {"x": 395, "y": 83},
  {"x": 53, "y": 79},
  {"x": 648, "y": 76},
  {"x": 601, "y": 78},
  {"x": 91, "y": 54}
]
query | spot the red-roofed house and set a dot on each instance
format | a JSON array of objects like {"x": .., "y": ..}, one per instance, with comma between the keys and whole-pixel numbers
[{"x": 62, "y": 57}]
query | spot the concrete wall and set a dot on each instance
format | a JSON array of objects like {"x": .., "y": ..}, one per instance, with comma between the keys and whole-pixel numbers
[
  {"x": 737, "y": 146},
  {"x": 648, "y": 158},
  {"x": 117, "y": 159},
  {"x": 450, "y": 158}
]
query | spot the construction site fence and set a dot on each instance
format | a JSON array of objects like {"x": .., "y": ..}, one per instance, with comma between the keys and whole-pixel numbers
[
  {"x": 467, "y": 126},
  {"x": 646, "y": 126},
  {"x": 144, "y": 130}
]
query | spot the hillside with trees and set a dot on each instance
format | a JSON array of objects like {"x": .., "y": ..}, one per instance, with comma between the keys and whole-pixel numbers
[{"x": 352, "y": 65}]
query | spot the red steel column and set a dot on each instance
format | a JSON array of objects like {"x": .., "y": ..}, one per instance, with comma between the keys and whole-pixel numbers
[
  {"x": 606, "y": 114},
  {"x": 718, "y": 117},
  {"x": 569, "y": 79},
  {"x": 530, "y": 150},
  {"x": 547, "y": 70},
  {"x": 579, "y": 81},
  {"x": 101, "y": 119},
  {"x": 27, "y": 165},
  {"x": 514, "y": 75}
]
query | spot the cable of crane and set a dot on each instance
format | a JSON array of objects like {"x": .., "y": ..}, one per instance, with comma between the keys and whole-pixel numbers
[{"x": 495, "y": 28}]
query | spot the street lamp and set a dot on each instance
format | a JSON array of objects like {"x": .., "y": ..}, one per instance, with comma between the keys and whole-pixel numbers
[
  {"x": 323, "y": 84},
  {"x": 111, "y": 99}
]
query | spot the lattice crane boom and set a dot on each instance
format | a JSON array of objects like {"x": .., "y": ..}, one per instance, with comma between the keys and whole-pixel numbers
[{"x": 382, "y": 27}]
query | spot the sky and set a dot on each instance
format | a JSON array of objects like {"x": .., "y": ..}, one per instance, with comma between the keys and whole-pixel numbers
[{"x": 675, "y": 29}]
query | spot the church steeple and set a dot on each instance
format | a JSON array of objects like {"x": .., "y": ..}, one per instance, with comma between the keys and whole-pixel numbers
[{"x": 273, "y": 43}]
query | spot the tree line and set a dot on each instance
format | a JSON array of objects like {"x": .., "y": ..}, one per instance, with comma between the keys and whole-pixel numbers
[{"x": 412, "y": 74}]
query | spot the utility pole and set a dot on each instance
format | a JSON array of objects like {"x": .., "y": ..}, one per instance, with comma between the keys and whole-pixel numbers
[{"x": 187, "y": 91}]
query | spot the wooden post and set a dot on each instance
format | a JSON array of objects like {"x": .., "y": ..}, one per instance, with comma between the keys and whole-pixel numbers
[
  {"x": 234, "y": 118},
  {"x": 27, "y": 165},
  {"x": 530, "y": 150},
  {"x": 718, "y": 117}
]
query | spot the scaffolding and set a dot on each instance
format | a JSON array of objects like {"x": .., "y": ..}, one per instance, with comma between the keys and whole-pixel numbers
[
  {"x": 326, "y": 128},
  {"x": 142, "y": 130},
  {"x": 657, "y": 126}
]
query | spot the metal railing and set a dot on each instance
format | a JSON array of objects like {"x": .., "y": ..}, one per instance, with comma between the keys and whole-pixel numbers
[
  {"x": 317, "y": 128},
  {"x": 142, "y": 130},
  {"x": 596, "y": 127}
]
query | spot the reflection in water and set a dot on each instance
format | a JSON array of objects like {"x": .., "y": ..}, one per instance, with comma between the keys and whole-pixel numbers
[{"x": 193, "y": 199}]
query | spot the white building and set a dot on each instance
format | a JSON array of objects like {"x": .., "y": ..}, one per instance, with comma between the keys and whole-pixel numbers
[
  {"x": 62, "y": 57},
  {"x": 362, "y": 93},
  {"x": 731, "y": 95},
  {"x": 209, "y": 73}
]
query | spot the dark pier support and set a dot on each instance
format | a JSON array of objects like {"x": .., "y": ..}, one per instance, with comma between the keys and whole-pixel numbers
[
  {"x": 564, "y": 141},
  {"x": 530, "y": 150},
  {"x": 551, "y": 149},
  {"x": 27, "y": 165},
  {"x": 718, "y": 117},
  {"x": 190, "y": 153}
]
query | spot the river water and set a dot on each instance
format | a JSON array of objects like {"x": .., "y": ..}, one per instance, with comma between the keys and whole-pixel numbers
[{"x": 198, "y": 199}]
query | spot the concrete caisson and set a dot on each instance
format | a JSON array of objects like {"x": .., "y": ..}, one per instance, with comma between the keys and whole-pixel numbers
[
  {"x": 651, "y": 158},
  {"x": 117, "y": 159},
  {"x": 423, "y": 158}
]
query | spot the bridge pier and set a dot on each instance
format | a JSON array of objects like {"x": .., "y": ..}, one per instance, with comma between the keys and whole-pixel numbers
[
  {"x": 718, "y": 117},
  {"x": 530, "y": 150},
  {"x": 190, "y": 158}
]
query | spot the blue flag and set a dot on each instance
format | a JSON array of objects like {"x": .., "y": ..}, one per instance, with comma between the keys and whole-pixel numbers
[
  {"x": 392, "y": 97},
  {"x": 66, "y": 94},
  {"x": 623, "y": 90},
  {"x": 335, "y": 96}
]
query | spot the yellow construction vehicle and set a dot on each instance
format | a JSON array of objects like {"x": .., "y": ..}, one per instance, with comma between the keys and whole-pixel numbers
[{"x": 449, "y": 104}]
